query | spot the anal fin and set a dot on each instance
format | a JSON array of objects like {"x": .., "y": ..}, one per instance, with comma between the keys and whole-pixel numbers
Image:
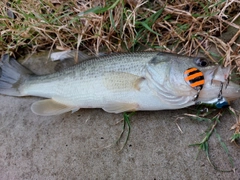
[
  {"x": 49, "y": 107},
  {"x": 120, "y": 107}
]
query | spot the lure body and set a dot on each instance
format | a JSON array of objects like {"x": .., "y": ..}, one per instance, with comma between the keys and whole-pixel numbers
[{"x": 217, "y": 103}]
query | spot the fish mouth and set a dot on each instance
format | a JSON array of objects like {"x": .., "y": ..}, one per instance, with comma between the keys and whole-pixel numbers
[
  {"x": 218, "y": 85},
  {"x": 221, "y": 74},
  {"x": 229, "y": 90}
]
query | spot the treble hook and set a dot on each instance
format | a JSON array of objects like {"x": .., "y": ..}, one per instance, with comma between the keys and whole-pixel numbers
[
  {"x": 195, "y": 97},
  {"x": 220, "y": 92},
  {"x": 228, "y": 79}
]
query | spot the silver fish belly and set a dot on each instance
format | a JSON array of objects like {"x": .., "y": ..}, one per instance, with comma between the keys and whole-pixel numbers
[{"x": 115, "y": 83}]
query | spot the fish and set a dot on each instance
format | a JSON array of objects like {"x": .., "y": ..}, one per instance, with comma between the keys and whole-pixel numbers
[{"x": 122, "y": 82}]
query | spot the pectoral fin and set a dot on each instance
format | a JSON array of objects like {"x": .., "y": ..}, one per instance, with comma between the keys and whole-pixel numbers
[
  {"x": 122, "y": 81},
  {"x": 49, "y": 107},
  {"x": 120, "y": 107}
]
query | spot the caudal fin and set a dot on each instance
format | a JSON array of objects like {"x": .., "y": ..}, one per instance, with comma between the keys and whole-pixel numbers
[{"x": 12, "y": 75}]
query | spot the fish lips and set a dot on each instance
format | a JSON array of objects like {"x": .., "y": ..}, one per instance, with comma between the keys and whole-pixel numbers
[
  {"x": 217, "y": 76},
  {"x": 222, "y": 74},
  {"x": 217, "y": 73}
]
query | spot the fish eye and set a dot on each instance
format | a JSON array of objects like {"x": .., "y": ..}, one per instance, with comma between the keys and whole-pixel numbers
[{"x": 201, "y": 62}]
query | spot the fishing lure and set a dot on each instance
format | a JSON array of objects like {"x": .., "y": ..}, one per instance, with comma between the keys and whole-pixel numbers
[
  {"x": 219, "y": 102},
  {"x": 195, "y": 78},
  {"x": 216, "y": 103}
]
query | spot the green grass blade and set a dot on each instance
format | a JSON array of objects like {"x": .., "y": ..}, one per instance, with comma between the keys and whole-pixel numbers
[
  {"x": 152, "y": 19},
  {"x": 99, "y": 9},
  {"x": 144, "y": 24},
  {"x": 96, "y": 10}
]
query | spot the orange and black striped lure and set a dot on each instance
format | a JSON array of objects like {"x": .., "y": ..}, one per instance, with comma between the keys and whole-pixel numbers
[{"x": 195, "y": 78}]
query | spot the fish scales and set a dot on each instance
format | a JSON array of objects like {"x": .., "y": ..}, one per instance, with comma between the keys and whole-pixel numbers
[{"x": 85, "y": 76}]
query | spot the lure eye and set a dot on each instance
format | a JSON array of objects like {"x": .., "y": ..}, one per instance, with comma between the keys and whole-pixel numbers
[
  {"x": 194, "y": 77},
  {"x": 201, "y": 62}
]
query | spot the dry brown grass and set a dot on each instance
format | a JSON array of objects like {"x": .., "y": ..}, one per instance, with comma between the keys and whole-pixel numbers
[{"x": 185, "y": 27}]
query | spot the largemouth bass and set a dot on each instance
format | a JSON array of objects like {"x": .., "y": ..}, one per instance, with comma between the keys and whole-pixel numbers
[{"x": 121, "y": 82}]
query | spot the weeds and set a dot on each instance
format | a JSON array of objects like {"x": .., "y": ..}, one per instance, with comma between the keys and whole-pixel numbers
[
  {"x": 113, "y": 26},
  {"x": 126, "y": 124},
  {"x": 236, "y": 136},
  {"x": 204, "y": 144}
]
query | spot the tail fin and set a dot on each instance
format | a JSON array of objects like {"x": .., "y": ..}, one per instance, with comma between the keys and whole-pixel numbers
[{"x": 12, "y": 75}]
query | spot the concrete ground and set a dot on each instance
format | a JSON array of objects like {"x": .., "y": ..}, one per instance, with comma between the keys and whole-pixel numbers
[{"x": 76, "y": 146}]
